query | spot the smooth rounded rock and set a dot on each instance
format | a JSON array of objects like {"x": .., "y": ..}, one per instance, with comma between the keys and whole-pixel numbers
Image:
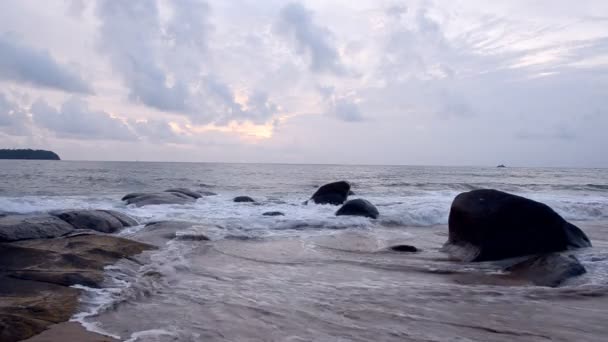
[
  {"x": 25, "y": 227},
  {"x": 333, "y": 193},
  {"x": 358, "y": 207},
  {"x": 104, "y": 221},
  {"x": 243, "y": 199},
  {"x": 492, "y": 225}
]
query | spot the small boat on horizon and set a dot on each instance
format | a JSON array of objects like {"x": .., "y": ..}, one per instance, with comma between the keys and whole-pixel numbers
[{"x": 501, "y": 166}]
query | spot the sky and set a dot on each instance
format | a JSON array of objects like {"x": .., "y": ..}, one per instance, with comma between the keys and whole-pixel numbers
[{"x": 464, "y": 82}]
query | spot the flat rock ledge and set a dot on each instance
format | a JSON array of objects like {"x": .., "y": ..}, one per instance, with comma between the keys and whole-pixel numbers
[{"x": 36, "y": 275}]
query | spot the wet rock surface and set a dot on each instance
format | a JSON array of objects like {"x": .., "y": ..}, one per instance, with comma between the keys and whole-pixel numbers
[
  {"x": 358, "y": 207},
  {"x": 35, "y": 276},
  {"x": 34, "y": 226},
  {"x": 105, "y": 221},
  {"x": 243, "y": 199},
  {"x": 169, "y": 196},
  {"x": 493, "y": 225},
  {"x": 333, "y": 193}
]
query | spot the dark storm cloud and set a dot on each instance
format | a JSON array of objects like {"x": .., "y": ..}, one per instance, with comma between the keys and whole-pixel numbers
[
  {"x": 23, "y": 64},
  {"x": 311, "y": 40},
  {"x": 74, "y": 119}
]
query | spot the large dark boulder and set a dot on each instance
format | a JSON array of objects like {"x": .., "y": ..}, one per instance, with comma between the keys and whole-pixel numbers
[
  {"x": 141, "y": 199},
  {"x": 333, "y": 193},
  {"x": 358, "y": 207},
  {"x": 492, "y": 225},
  {"x": 24, "y": 227},
  {"x": 105, "y": 221}
]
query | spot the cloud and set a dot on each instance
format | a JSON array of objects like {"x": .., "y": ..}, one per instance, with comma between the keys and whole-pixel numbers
[
  {"x": 158, "y": 131},
  {"x": 162, "y": 63},
  {"x": 75, "y": 120},
  {"x": 23, "y": 64},
  {"x": 311, "y": 40},
  {"x": 13, "y": 119},
  {"x": 130, "y": 35}
]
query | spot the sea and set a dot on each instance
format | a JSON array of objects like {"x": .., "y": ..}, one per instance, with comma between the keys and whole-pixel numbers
[{"x": 311, "y": 275}]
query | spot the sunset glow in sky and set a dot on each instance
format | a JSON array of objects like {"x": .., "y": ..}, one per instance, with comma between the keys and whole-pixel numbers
[{"x": 466, "y": 82}]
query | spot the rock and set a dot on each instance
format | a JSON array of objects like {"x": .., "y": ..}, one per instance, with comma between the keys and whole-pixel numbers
[
  {"x": 358, "y": 207},
  {"x": 243, "y": 199},
  {"x": 36, "y": 275},
  {"x": 548, "y": 269},
  {"x": 207, "y": 193},
  {"x": 126, "y": 220},
  {"x": 273, "y": 213},
  {"x": 493, "y": 225},
  {"x": 403, "y": 248},
  {"x": 22, "y": 227},
  {"x": 155, "y": 198},
  {"x": 105, "y": 221},
  {"x": 186, "y": 192},
  {"x": 158, "y": 233},
  {"x": 333, "y": 193}
]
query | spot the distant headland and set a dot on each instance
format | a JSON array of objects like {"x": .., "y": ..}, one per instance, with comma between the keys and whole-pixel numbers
[{"x": 28, "y": 154}]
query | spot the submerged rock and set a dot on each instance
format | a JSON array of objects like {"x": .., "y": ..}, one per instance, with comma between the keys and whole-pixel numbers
[
  {"x": 141, "y": 199},
  {"x": 187, "y": 192},
  {"x": 157, "y": 233},
  {"x": 493, "y": 225},
  {"x": 243, "y": 199},
  {"x": 547, "y": 270},
  {"x": 25, "y": 227},
  {"x": 273, "y": 213},
  {"x": 105, "y": 221},
  {"x": 333, "y": 193},
  {"x": 358, "y": 207},
  {"x": 403, "y": 248}
]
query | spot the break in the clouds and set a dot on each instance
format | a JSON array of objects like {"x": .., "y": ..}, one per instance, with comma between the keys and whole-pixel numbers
[{"x": 424, "y": 82}]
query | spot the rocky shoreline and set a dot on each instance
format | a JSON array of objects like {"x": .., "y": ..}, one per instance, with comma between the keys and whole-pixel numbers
[{"x": 43, "y": 255}]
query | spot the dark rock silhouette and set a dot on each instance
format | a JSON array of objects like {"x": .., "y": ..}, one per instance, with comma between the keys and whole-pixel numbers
[
  {"x": 492, "y": 225},
  {"x": 273, "y": 213},
  {"x": 403, "y": 248},
  {"x": 358, "y": 207},
  {"x": 28, "y": 154},
  {"x": 243, "y": 199},
  {"x": 333, "y": 193}
]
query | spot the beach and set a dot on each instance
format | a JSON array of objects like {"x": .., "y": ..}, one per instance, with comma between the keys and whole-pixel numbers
[{"x": 229, "y": 273}]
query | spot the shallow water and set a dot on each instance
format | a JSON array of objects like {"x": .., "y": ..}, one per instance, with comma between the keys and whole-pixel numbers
[{"x": 312, "y": 276}]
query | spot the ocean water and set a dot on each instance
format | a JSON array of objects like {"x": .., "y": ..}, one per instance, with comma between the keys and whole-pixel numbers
[{"x": 312, "y": 276}]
